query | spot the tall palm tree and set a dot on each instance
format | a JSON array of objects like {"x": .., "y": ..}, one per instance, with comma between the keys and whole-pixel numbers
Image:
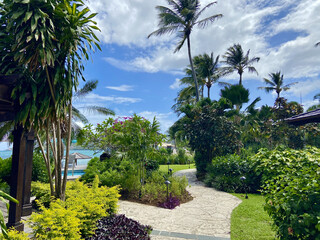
[
  {"x": 275, "y": 83},
  {"x": 182, "y": 17},
  {"x": 236, "y": 60}
]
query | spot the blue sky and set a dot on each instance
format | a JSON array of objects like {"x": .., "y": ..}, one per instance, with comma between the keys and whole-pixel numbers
[{"x": 139, "y": 75}]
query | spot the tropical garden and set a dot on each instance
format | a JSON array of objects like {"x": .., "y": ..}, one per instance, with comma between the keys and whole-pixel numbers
[{"x": 236, "y": 146}]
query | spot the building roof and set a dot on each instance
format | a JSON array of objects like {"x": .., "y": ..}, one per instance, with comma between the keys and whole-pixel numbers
[{"x": 304, "y": 118}]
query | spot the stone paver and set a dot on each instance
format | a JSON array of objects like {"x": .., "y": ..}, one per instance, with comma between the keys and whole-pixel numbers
[{"x": 207, "y": 216}]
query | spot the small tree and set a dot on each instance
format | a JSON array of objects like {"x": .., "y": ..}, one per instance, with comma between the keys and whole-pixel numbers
[{"x": 209, "y": 132}]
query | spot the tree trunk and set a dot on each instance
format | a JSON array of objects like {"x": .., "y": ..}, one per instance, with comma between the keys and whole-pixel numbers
[
  {"x": 240, "y": 81},
  {"x": 65, "y": 175},
  {"x": 192, "y": 68},
  {"x": 209, "y": 91}
]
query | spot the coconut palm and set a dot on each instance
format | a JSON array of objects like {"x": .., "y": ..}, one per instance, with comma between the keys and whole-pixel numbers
[
  {"x": 275, "y": 83},
  {"x": 207, "y": 68},
  {"x": 182, "y": 17},
  {"x": 236, "y": 60}
]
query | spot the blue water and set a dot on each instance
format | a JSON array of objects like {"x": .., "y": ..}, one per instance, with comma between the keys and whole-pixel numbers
[
  {"x": 75, "y": 173},
  {"x": 7, "y": 153}
]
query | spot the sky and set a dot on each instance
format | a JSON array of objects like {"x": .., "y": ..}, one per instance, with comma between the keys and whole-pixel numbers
[{"x": 140, "y": 75}]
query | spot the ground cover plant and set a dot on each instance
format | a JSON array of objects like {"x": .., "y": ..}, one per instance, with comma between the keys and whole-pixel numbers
[
  {"x": 249, "y": 221},
  {"x": 119, "y": 227}
]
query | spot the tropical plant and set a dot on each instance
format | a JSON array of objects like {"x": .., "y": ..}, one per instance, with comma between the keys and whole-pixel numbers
[
  {"x": 207, "y": 68},
  {"x": 276, "y": 83},
  {"x": 50, "y": 40},
  {"x": 236, "y": 60},
  {"x": 237, "y": 94},
  {"x": 3, "y": 197},
  {"x": 182, "y": 17}
]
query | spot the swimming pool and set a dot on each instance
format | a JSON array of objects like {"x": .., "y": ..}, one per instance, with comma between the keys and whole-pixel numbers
[{"x": 75, "y": 173}]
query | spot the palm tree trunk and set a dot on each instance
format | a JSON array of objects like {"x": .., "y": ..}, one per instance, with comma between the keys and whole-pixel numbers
[
  {"x": 208, "y": 91},
  {"x": 192, "y": 68},
  {"x": 240, "y": 81}
]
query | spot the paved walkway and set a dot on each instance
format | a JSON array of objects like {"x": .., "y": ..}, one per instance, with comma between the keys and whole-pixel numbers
[{"x": 206, "y": 217}]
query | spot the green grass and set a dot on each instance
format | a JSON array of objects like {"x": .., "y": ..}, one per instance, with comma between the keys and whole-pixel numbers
[
  {"x": 175, "y": 168},
  {"x": 250, "y": 221}
]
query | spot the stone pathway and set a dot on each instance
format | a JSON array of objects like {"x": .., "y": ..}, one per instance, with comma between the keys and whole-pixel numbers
[{"x": 206, "y": 217}]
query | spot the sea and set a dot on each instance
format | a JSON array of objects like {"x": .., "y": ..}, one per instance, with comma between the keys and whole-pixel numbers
[{"x": 7, "y": 153}]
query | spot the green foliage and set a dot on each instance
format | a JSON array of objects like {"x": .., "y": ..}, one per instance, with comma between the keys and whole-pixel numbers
[
  {"x": 39, "y": 169},
  {"x": 87, "y": 204},
  {"x": 291, "y": 184},
  {"x": 3, "y": 197},
  {"x": 42, "y": 192},
  {"x": 15, "y": 235},
  {"x": 209, "y": 132},
  {"x": 55, "y": 222},
  {"x": 5, "y": 169},
  {"x": 133, "y": 137},
  {"x": 237, "y": 94},
  {"x": 90, "y": 204},
  {"x": 225, "y": 172}
]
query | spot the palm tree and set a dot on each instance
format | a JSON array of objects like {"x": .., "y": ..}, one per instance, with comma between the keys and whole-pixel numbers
[
  {"x": 182, "y": 17},
  {"x": 236, "y": 60},
  {"x": 276, "y": 84},
  {"x": 207, "y": 67},
  {"x": 237, "y": 94}
]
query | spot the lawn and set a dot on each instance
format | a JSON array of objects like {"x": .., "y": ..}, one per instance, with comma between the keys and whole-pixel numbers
[
  {"x": 250, "y": 221},
  {"x": 175, "y": 168}
]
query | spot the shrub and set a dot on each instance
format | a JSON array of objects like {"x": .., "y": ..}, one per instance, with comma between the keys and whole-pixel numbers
[
  {"x": 91, "y": 204},
  {"x": 39, "y": 169},
  {"x": 119, "y": 227},
  {"x": 292, "y": 201},
  {"x": 15, "y": 235},
  {"x": 225, "y": 172},
  {"x": 56, "y": 222},
  {"x": 42, "y": 193},
  {"x": 291, "y": 185},
  {"x": 150, "y": 166},
  {"x": 5, "y": 169}
]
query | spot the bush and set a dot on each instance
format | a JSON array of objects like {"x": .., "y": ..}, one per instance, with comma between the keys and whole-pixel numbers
[
  {"x": 91, "y": 204},
  {"x": 170, "y": 203},
  {"x": 39, "y": 169},
  {"x": 119, "y": 227},
  {"x": 5, "y": 169},
  {"x": 88, "y": 203},
  {"x": 292, "y": 191},
  {"x": 225, "y": 172},
  {"x": 15, "y": 235},
  {"x": 150, "y": 166},
  {"x": 55, "y": 222}
]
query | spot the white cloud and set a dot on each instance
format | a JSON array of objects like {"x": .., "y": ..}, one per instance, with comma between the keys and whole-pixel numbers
[
  {"x": 128, "y": 22},
  {"x": 305, "y": 88},
  {"x": 121, "y": 88},
  {"x": 176, "y": 84},
  {"x": 166, "y": 120},
  {"x": 95, "y": 99}
]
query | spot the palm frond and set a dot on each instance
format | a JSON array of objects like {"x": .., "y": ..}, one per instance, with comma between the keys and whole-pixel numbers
[
  {"x": 252, "y": 69},
  {"x": 267, "y": 89},
  {"x": 87, "y": 88},
  {"x": 164, "y": 30},
  {"x": 180, "y": 44},
  {"x": 204, "y": 22},
  {"x": 203, "y": 9},
  {"x": 6, "y": 129},
  {"x": 224, "y": 84},
  {"x": 289, "y": 85},
  {"x": 317, "y": 96},
  {"x": 78, "y": 115},
  {"x": 269, "y": 82},
  {"x": 102, "y": 110},
  {"x": 253, "y": 104}
]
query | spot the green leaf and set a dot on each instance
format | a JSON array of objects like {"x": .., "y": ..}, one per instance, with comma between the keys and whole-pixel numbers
[
  {"x": 22, "y": 97},
  {"x": 27, "y": 16}
]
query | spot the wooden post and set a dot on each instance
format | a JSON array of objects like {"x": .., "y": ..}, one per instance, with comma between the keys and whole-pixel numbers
[
  {"x": 17, "y": 176},
  {"x": 26, "y": 205}
]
